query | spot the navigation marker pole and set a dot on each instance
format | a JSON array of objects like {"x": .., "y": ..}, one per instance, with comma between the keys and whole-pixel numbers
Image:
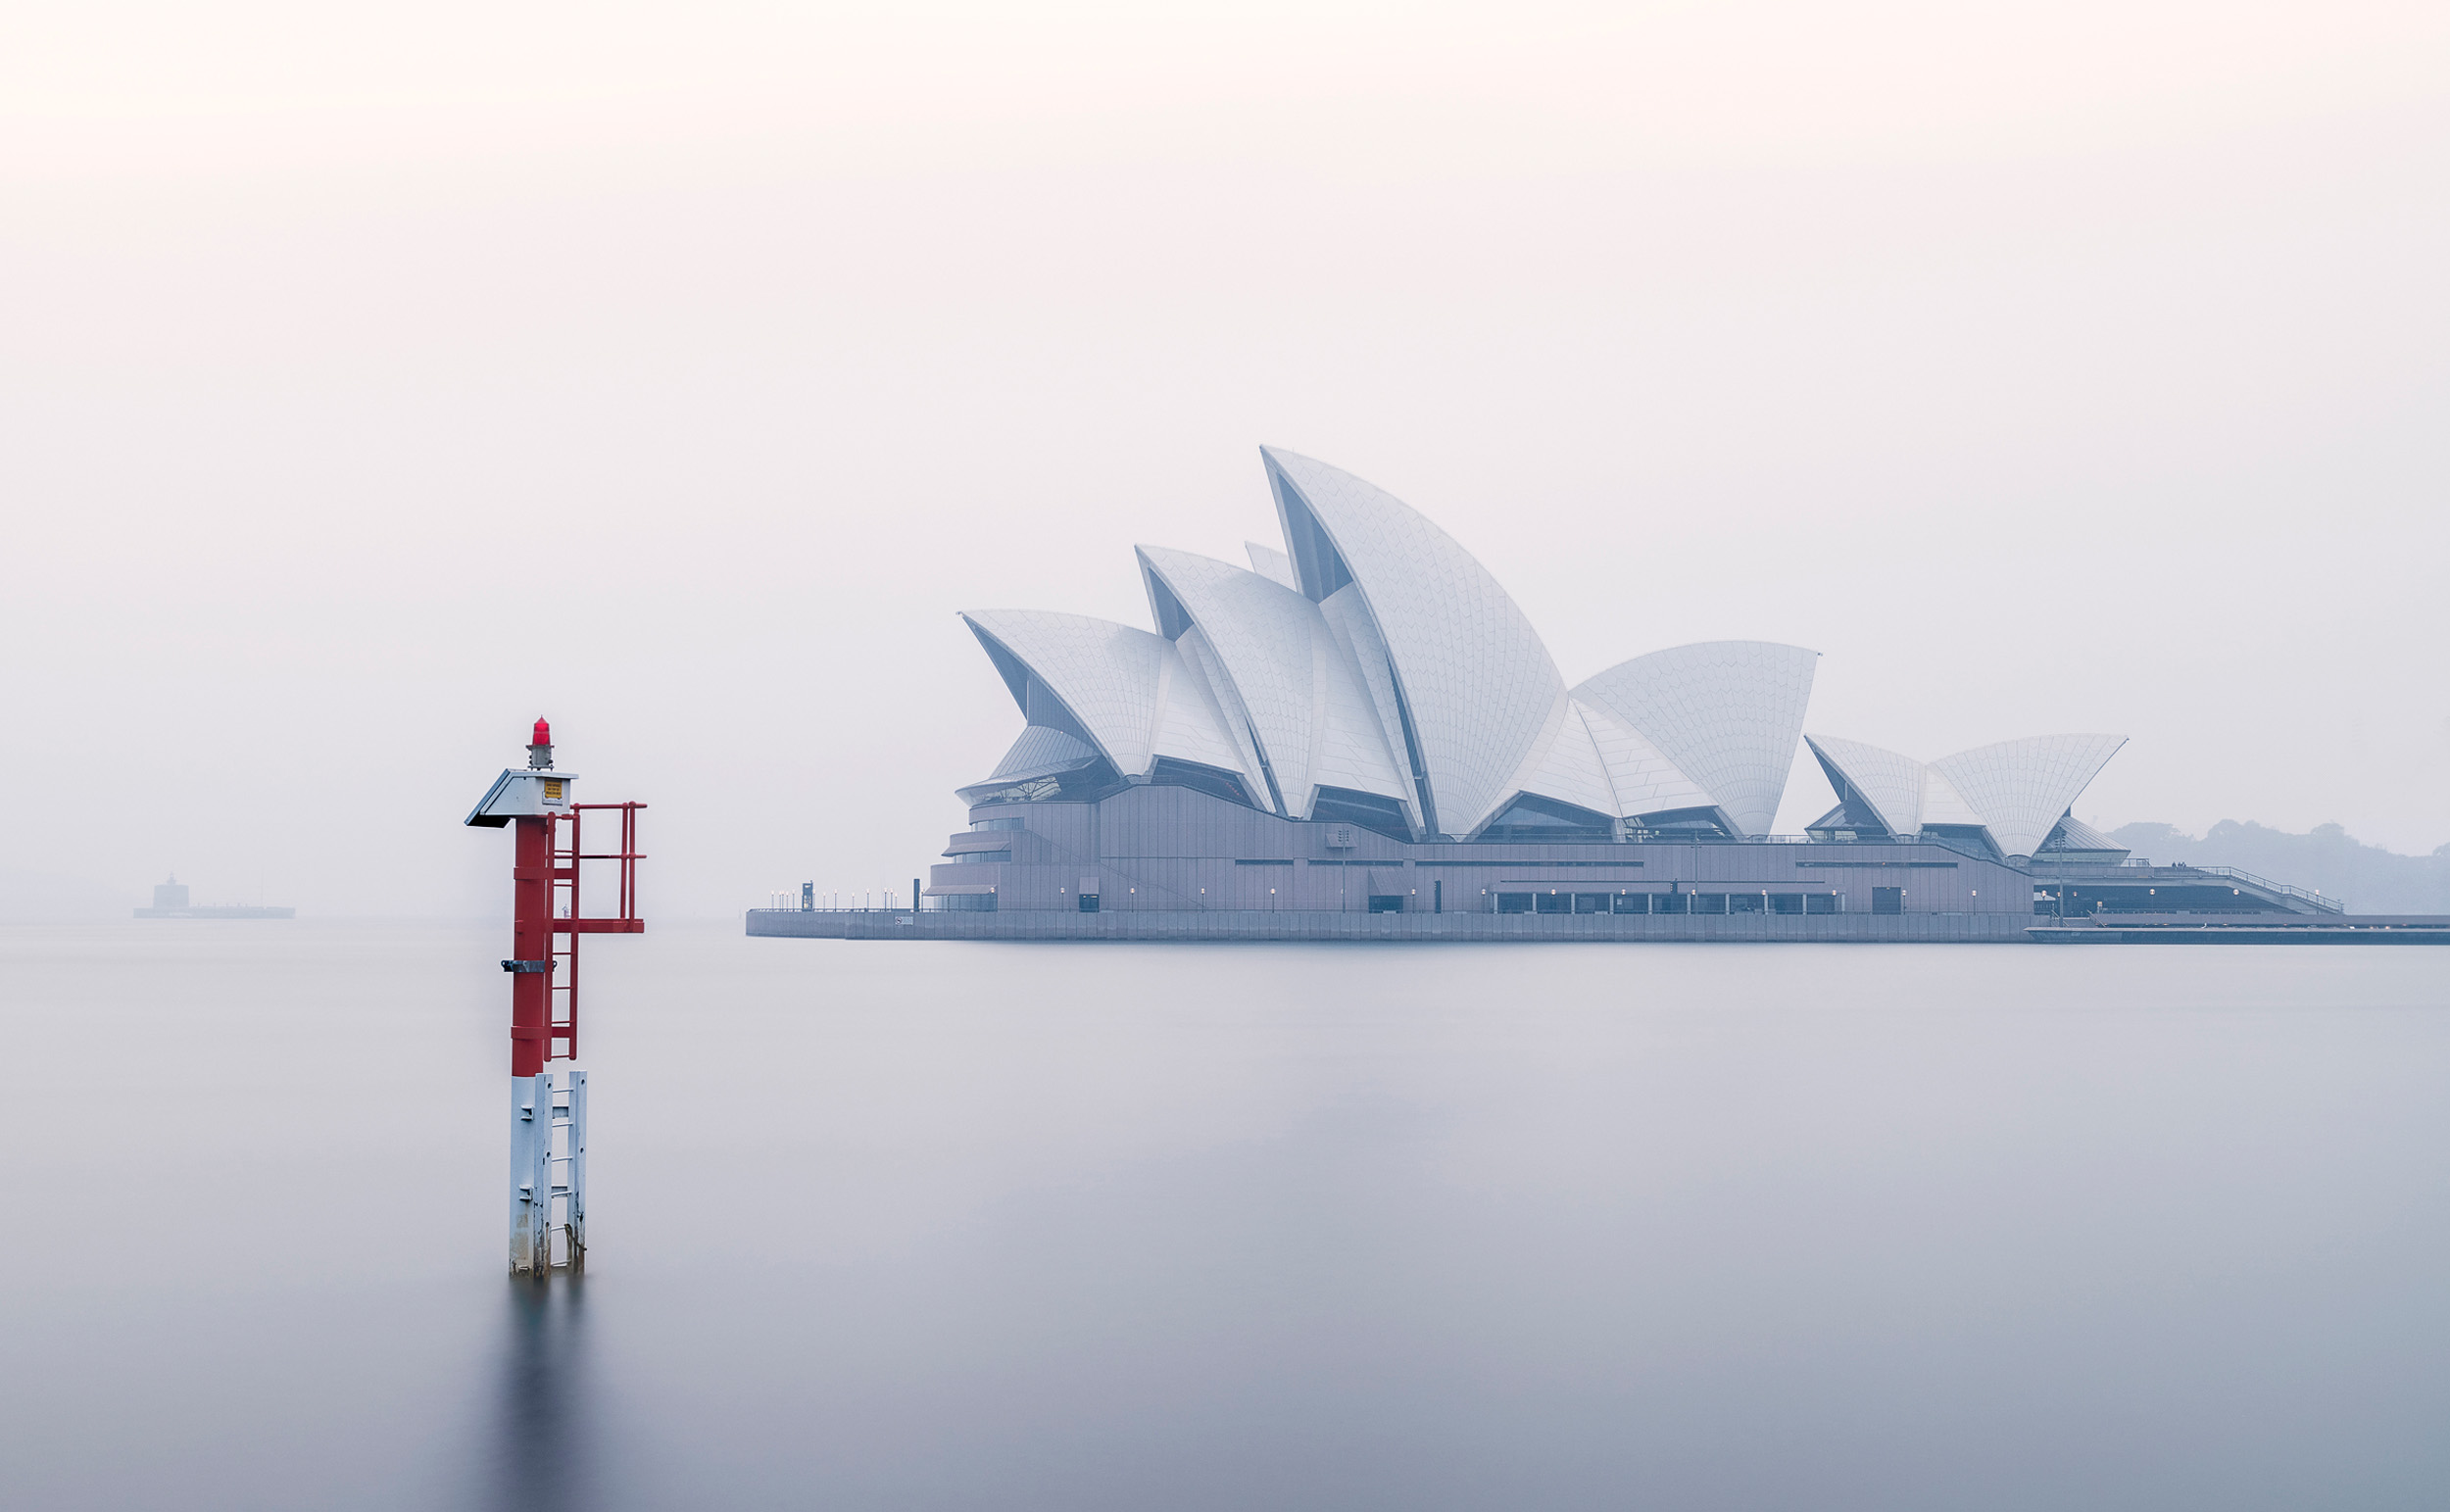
[{"x": 549, "y": 1124}]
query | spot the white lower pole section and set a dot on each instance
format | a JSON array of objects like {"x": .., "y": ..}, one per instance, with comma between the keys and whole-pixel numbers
[
  {"x": 531, "y": 1175},
  {"x": 576, "y": 1193}
]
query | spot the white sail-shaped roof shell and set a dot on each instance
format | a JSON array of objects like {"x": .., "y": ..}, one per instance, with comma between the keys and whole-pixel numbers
[
  {"x": 1305, "y": 703},
  {"x": 1127, "y": 689},
  {"x": 1358, "y": 646},
  {"x": 1261, "y": 636},
  {"x": 1942, "y": 804},
  {"x": 2073, "y": 834},
  {"x": 1572, "y": 770},
  {"x": 1480, "y": 688},
  {"x": 1038, "y": 751},
  {"x": 1351, "y": 749},
  {"x": 1201, "y": 661},
  {"x": 1272, "y": 565},
  {"x": 2015, "y": 791},
  {"x": 1379, "y": 657},
  {"x": 2021, "y": 787},
  {"x": 1191, "y": 728},
  {"x": 1644, "y": 779},
  {"x": 1891, "y": 783},
  {"x": 1728, "y": 713}
]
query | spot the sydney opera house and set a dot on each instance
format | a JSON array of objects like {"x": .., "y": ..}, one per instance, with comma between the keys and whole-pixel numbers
[{"x": 1365, "y": 723}]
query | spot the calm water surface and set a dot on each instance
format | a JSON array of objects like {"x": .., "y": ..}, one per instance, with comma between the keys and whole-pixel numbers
[{"x": 975, "y": 1226}]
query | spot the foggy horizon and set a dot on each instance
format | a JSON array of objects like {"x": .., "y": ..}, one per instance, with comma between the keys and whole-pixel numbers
[
  {"x": 378, "y": 384},
  {"x": 378, "y": 380}
]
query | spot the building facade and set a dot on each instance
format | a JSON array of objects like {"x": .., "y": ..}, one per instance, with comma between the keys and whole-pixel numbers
[{"x": 1365, "y": 722}]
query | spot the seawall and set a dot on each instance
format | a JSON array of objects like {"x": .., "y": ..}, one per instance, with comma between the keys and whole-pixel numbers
[
  {"x": 1304, "y": 924},
  {"x": 1153, "y": 924}
]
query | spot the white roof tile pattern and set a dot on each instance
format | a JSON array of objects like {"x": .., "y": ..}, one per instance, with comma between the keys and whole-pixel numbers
[
  {"x": 1357, "y": 646},
  {"x": 1260, "y": 632},
  {"x": 2073, "y": 834},
  {"x": 1572, "y": 770},
  {"x": 1892, "y": 783},
  {"x": 1038, "y": 752},
  {"x": 1480, "y": 686},
  {"x": 2016, "y": 790},
  {"x": 1942, "y": 804},
  {"x": 2021, "y": 787},
  {"x": 1272, "y": 565},
  {"x": 1646, "y": 781},
  {"x": 1302, "y": 694},
  {"x": 1200, "y": 660},
  {"x": 1189, "y": 726},
  {"x": 1352, "y": 750},
  {"x": 1728, "y": 713},
  {"x": 1104, "y": 673}
]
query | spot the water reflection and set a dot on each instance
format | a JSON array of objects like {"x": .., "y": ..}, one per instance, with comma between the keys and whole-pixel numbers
[
  {"x": 541, "y": 1444},
  {"x": 1210, "y": 1229}
]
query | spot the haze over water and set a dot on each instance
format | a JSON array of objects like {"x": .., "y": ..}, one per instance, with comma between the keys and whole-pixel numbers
[{"x": 1033, "y": 1226}]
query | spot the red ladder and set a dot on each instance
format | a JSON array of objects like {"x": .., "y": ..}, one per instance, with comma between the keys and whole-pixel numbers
[{"x": 562, "y": 997}]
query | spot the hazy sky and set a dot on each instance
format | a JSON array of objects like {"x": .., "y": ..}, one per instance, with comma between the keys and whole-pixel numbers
[{"x": 378, "y": 379}]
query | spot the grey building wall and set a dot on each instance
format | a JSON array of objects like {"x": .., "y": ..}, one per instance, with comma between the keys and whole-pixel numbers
[
  {"x": 1172, "y": 849},
  {"x": 1166, "y": 924}
]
